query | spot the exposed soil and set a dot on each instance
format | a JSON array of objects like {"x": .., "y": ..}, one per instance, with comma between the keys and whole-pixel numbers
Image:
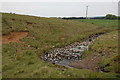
[
  {"x": 13, "y": 37},
  {"x": 90, "y": 62}
]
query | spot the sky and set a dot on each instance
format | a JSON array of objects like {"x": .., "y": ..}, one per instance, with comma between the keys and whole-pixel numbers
[
  {"x": 62, "y": 9},
  {"x": 59, "y": 0}
]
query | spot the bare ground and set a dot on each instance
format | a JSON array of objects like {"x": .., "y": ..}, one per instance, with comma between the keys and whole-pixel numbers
[
  {"x": 90, "y": 62},
  {"x": 13, "y": 37}
]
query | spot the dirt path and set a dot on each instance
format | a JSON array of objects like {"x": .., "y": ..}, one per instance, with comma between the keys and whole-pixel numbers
[{"x": 13, "y": 37}]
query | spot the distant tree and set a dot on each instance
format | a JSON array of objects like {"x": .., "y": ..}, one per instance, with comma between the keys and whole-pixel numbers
[{"x": 110, "y": 16}]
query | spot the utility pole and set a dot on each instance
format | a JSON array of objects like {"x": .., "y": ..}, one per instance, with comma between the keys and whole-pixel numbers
[{"x": 86, "y": 11}]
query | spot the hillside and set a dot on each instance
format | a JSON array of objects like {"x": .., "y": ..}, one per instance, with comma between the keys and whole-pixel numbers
[{"x": 22, "y": 52}]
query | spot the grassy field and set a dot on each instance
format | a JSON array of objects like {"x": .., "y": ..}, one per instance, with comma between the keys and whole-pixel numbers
[
  {"x": 101, "y": 22},
  {"x": 22, "y": 61}
]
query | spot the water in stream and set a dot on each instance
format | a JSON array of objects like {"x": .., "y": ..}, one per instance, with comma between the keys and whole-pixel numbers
[{"x": 64, "y": 56}]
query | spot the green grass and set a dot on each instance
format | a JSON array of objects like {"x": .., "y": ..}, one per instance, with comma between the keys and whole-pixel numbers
[
  {"x": 101, "y": 22},
  {"x": 29, "y": 65},
  {"x": 107, "y": 48},
  {"x": 21, "y": 61}
]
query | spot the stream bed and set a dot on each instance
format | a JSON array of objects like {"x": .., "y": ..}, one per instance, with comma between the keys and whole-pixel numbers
[{"x": 64, "y": 56}]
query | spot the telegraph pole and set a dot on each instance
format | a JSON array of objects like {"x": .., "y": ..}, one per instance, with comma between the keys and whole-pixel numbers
[{"x": 86, "y": 11}]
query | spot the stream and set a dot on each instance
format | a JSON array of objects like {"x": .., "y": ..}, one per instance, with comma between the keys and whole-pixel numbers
[{"x": 64, "y": 56}]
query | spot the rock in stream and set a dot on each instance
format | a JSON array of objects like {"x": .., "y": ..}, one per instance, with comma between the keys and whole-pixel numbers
[{"x": 64, "y": 56}]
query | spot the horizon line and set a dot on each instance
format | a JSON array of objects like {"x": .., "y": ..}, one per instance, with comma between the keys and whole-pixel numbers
[{"x": 52, "y": 16}]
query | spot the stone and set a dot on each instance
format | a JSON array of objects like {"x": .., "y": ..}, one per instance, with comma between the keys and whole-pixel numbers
[{"x": 69, "y": 53}]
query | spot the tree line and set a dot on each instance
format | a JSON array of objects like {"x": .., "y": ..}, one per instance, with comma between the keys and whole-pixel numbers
[{"x": 108, "y": 16}]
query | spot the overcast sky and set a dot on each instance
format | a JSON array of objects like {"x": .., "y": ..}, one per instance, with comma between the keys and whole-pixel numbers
[{"x": 52, "y": 9}]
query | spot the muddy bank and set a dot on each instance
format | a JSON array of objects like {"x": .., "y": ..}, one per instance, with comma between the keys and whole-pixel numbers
[
  {"x": 67, "y": 55},
  {"x": 13, "y": 37},
  {"x": 90, "y": 62}
]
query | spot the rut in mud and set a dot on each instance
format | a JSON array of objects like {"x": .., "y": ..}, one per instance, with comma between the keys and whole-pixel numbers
[{"x": 70, "y": 53}]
